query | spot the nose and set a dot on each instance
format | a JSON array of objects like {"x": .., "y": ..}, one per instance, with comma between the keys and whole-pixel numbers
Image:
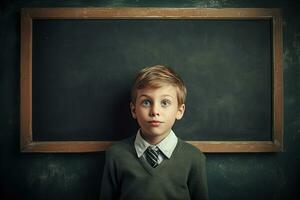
[{"x": 154, "y": 111}]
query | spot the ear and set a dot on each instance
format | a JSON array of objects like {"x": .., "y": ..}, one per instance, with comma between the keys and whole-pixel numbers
[
  {"x": 132, "y": 109},
  {"x": 180, "y": 112}
]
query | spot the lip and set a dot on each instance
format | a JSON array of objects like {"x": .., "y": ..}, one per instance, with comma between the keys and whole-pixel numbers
[{"x": 154, "y": 123}]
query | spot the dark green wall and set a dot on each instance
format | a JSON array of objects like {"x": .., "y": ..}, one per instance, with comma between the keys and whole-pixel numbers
[{"x": 77, "y": 176}]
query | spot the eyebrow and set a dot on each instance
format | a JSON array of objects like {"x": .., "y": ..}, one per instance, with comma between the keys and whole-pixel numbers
[
  {"x": 144, "y": 95},
  {"x": 166, "y": 95}
]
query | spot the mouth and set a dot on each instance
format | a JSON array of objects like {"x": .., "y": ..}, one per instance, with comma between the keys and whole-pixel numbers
[{"x": 154, "y": 123}]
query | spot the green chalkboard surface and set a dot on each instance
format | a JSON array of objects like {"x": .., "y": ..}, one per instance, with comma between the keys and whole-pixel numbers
[{"x": 82, "y": 71}]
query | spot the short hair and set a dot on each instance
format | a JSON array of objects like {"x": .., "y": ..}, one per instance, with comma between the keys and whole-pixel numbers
[{"x": 155, "y": 77}]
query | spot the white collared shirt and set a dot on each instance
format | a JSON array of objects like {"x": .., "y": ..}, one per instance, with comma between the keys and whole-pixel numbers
[{"x": 166, "y": 146}]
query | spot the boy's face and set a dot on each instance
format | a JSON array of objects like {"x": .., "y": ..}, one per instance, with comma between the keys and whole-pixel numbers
[{"x": 156, "y": 110}]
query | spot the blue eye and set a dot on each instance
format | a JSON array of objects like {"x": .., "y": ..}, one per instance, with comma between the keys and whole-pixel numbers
[
  {"x": 165, "y": 103},
  {"x": 146, "y": 102}
]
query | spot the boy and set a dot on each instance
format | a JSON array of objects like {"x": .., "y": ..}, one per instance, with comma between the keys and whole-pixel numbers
[{"x": 155, "y": 164}]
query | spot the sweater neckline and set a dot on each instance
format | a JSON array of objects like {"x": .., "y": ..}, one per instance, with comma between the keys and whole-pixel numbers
[{"x": 153, "y": 171}]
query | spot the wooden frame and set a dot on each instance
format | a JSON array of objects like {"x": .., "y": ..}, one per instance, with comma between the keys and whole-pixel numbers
[{"x": 28, "y": 14}]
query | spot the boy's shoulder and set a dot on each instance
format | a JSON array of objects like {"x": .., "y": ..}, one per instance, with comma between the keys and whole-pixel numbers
[
  {"x": 190, "y": 150},
  {"x": 121, "y": 147}
]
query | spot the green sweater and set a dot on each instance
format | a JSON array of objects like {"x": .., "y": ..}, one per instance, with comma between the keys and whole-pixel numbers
[{"x": 126, "y": 176}]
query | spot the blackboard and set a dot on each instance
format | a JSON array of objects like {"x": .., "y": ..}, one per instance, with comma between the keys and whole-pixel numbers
[{"x": 82, "y": 69}]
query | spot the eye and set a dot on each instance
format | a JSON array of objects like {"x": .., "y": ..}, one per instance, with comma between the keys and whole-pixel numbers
[
  {"x": 146, "y": 102},
  {"x": 165, "y": 103}
]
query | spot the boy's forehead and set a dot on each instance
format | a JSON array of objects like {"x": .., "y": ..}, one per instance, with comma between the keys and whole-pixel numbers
[{"x": 164, "y": 90}]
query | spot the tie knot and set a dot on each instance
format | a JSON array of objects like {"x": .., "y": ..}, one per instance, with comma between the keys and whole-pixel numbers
[
  {"x": 153, "y": 148},
  {"x": 152, "y": 156}
]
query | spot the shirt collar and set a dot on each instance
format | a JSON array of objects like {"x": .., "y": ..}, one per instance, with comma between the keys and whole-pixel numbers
[{"x": 166, "y": 146}]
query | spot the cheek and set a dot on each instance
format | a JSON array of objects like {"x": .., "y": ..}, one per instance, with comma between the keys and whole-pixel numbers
[
  {"x": 171, "y": 115},
  {"x": 140, "y": 113}
]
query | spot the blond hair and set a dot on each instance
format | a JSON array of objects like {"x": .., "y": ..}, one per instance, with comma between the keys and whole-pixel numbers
[{"x": 155, "y": 77}]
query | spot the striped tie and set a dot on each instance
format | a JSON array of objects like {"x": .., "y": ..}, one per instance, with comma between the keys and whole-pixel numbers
[{"x": 152, "y": 156}]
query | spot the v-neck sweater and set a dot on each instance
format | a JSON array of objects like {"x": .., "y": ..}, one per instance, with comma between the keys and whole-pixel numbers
[{"x": 128, "y": 177}]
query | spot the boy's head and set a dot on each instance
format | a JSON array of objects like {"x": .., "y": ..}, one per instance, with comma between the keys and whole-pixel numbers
[
  {"x": 157, "y": 100},
  {"x": 155, "y": 77}
]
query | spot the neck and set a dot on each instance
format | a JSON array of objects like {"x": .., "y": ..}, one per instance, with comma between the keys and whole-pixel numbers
[{"x": 154, "y": 140}]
